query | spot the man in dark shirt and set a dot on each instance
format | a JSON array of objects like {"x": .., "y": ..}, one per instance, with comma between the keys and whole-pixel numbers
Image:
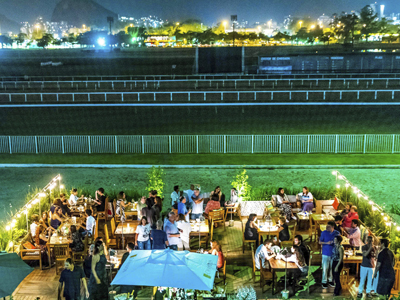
[
  {"x": 149, "y": 213},
  {"x": 367, "y": 268},
  {"x": 384, "y": 268},
  {"x": 159, "y": 237},
  {"x": 100, "y": 200},
  {"x": 283, "y": 230},
  {"x": 71, "y": 277},
  {"x": 298, "y": 241},
  {"x": 338, "y": 224}
]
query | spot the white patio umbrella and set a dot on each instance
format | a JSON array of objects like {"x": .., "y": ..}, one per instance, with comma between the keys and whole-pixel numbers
[{"x": 168, "y": 268}]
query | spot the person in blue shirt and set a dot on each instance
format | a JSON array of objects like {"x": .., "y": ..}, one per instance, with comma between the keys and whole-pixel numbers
[
  {"x": 182, "y": 209},
  {"x": 326, "y": 240}
]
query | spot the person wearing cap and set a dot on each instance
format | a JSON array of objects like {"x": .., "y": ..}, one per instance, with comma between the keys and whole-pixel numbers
[{"x": 172, "y": 231}]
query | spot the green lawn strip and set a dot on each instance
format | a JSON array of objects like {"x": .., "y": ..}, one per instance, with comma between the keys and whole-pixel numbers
[{"x": 204, "y": 159}]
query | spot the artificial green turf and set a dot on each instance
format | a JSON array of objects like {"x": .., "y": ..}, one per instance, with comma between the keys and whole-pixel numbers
[{"x": 205, "y": 159}]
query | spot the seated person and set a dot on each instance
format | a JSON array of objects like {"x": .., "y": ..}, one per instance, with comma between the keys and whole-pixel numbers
[
  {"x": 73, "y": 198},
  {"x": 182, "y": 210},
  {"x": 76, "y": 243},
  {"x": 346, "y": 209},
  {"x": 234, "y": 198},
  {"x": 56, "y": 218},
  {"x": 306, "y": 200},
  {"x": 264, "y": 253},
  {"x": 282, "y": 201},
  {"x": 284, "y": 234},
  {"x": 100, "y": 200},
  {"x": 251, "y": 229},
  {"x": 34, "y": 225},
  {"x": 221, "y": 197},
  {"x": 64, "y": 205},
  {"x": 89, "y": 224},
  {"x": 40, "y": 242},
  {"x": 213, "y": 204},
  {"x": 305, "y": 250},
  {"x": 338, "y": 224},
  {"x": 217, "y": 251},
  {"x": 352, "y": 215}
]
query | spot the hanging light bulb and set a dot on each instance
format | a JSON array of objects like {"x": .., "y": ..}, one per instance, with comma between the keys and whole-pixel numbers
[
  {"x": 358, "y": 195},
  {"x": 42, "y": 195},
  {"x": 338, "y": 186},
  {"x": 29, "y": 206},
  {"x": 61, "y": 186},
  {"x": 347, "y": 185},
  {"x": 371, "y": 202},
  {"x": 374, "y": 208},
  {"x": 18, "y": 215},
  {"x": 365, "y": 197},
  {"x": 8, "y": 227},
  {"x": 340, "y": 177},
  {"x": 385, "y": 218},
  {"x": 398, "y": 228}
]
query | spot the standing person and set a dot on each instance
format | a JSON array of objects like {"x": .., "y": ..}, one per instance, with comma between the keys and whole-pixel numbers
[
  {"x": 98, "y": 284},
  {"x": 367, "y": 268},
  {"x": 190, "y": 192},
  {"x": 185, "y": 228},
  {"x": 56, "y": 219},
  {"x": 182, "y": 208},
  {"x": 234, "y": 198},
  {"x": 251, "y": 229},
  {"x": 121, "y": 206},
  {"x": 337, "y": 263},
  {"x": 159, "y": 237},
  {"x": 141, "y": 204},
  {"x": 282, "y": 201},
  {"x": 157, "y": 207},
  {"x": 284, "y": 234},
  {"x": 338, "y": 224},
  {"x": 90, "y": 223},
  {"x": 34, "y": 225},
  {"x": 100, "y": 200},
  {"x": 326, "y": 240},
  {"x": 197, "y": 211},
  {"x": 384, "y": 267},
  {"x": 355, "y": 234},
  {"x": 152, "y": 196},
  {"x": 149, "y": 213},
  {"x": 352, "y": 215},
  {"x": 128, "y": 288},
  {"x": 172, "y": 232},
  {"x": 263, "y": 253},
  {"x": 73, "y": 198},
  {"x": 71, "y": 277},
  {"x": 142, "y": 239},
  {"x": 175, "y": 195},
  {"x": 305, "y": 200}
]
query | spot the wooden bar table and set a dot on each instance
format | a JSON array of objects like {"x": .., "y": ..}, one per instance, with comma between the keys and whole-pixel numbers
[
  {"x": 267, "y": 230},
  {"x": 353, "y": 259},
  {"x": 278, "y": 265},
  {"x": 125, "y": 230},
  {"x": 200, "y": 231}
]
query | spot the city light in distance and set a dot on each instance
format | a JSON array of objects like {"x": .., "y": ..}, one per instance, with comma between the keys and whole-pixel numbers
[{"x": 101, "y": 42}]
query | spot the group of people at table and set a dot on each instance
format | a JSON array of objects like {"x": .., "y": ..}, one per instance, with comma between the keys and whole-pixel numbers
[{"x": 377, "y": 274}]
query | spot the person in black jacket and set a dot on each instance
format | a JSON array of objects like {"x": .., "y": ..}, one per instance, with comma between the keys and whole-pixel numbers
[{"x": 128, "y": 288}]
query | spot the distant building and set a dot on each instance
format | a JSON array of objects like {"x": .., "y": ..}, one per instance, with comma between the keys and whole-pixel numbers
[
  {"x": 324, "y": 21},
  {"x": 148, "y": 22}
]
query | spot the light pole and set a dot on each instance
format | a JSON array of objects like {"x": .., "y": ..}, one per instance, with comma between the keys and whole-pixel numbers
[
  {"x": 224, "y": 23},
  {"x": 301, "y": 22}
]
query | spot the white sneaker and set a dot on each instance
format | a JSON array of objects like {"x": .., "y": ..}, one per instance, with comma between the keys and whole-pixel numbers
[
  {"x": 294, "y": 218},
  {"x": 287, "y": 221}
]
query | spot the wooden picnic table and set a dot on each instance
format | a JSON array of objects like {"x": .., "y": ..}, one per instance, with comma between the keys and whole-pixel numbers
[
  {"x": 200, "y": 231},
  {"x": 353, "y": 259},
  {"x": 131, "y": 212},
  {"x": 278, "y": 265},
  {"x": 125, "y": 230}
]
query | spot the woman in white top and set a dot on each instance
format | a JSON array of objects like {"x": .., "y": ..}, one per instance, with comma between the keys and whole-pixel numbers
[
  {"x": 306, "y": 199},
  {"x": 298, "y": 258},
  {"x": 34, "y": 225},
  {"x": 143, "y": 235},
  {"x": 282, "y": 201},
  {"x": 73, "y": 199},
  {"x": 185, "y": 229}
]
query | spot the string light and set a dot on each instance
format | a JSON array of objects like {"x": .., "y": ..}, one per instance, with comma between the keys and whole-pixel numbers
[
  {"x": 341, "y": 177},
  {"x": 8, "y": 227},
  {"x": 385, "y": 218},
  {"x": 338, "y": 186},
  {"x": 18, "y": 215},
  {"x": 42, "y": 195},
  {"x": 398, "y": 228},
  {"x": 371, "y": 202},
  {"x": 334, "y": 173},
  {"x": 358, "y": 195},
  {"x": 347, "y": 185}
]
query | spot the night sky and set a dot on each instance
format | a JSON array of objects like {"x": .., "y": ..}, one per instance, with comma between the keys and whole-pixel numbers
[{"x": 208, "y": 11}]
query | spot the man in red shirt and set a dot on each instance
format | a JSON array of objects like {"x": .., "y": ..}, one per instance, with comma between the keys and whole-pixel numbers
[{"x": 352, "y": 215}]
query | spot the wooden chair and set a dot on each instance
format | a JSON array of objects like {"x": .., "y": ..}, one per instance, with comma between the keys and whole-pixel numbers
[
  {"x": 79, "y": 257},
  {"x": 309, "y": 276},
  {"x": 231, "y": 210},
  {"x": 345, "y": 278},
  {"x": 312, "y": 230},
  {"x": 396, "y": 285},
  {"x": 109, "y": 242},
  {"x": 215, "y": 217},
  {"x": 104, "y": 214},
  {"x": 222, "y": 270},
  {"x": 61, "y": 253},
  {"x": 30, "y": 254},
  {"x": 265, "y": 274},
  {"x": 256, "y": 272},
  {"x": 113, "y": 227},
  {"x": 251, "y": 242},
  {"x": 289, "y": 243}
]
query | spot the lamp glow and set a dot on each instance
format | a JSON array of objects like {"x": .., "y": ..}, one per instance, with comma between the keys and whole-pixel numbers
[
  {"x": 18, "y": 215},
  {"x": 29, "y": 206},
  {"x": 14, "y": 221},
  {"x": 8, "y": 227},
  {"x": 370, "y": 202},
  {"x": 398, "y": 228},
  {"x": 338, "y": 186},
  {"x": 385, "y": 218},
  {"x": 101, "y": 42},
  {"x": 334, "y": 173},
  {"x": 347, "y": 185},
  {"x": 340, "y": 177},
  {"x": 374, "y": 208},
  {"x": 11, "y": 244},
  {"x": 42, "y": 195},
  {"x": 61, "y": 186},
  {"x": 358, "y": 195}
]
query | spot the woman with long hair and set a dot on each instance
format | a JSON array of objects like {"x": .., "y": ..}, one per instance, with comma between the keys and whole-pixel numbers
[
  {"x": 56, "y": 218},
  {"x": 121, "y": 206},
  {"x": 282, "y": 201},
  {"x": 142, "y": 239},
  {"x": 221, "y": 197},
  {"x": 337, "y": 263},
  {"x": 76, "y": 240},
  {"x": 306, "y": 200},
  {"x": 41, "y": 241},
  {"x": 216, "y": 249},
  {"x": 251, "y": 229},
  {"x": 98, "y": 283},
  {"x": 298, "y": 258},
  {"x": 185, "y": 228}
]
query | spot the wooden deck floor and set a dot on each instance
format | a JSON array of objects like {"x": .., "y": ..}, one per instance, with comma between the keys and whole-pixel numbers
[{"x": 44, "y": 283}]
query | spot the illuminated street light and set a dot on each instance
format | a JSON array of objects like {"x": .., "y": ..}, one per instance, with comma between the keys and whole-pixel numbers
[
  {"x": 269, "y": 24},
  {"x": 101, "y": 42},
  {"x": 300, "y": 22},
  {"x": 225, "y": 23},
  {"x": 312, "y": 26}
]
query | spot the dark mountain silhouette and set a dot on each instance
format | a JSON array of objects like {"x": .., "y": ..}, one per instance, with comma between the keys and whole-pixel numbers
[
  {"x": 7, "y": 25},
  {"x": 79, "y": 12}
]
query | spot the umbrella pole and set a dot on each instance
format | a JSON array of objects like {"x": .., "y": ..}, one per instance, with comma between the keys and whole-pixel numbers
[{"x": 123, "y": 241}]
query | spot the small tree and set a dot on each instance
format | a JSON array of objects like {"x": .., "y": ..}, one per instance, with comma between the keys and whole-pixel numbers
[
  {"x": 156, "y": 182},
  {"x": 241, "y": 185}
]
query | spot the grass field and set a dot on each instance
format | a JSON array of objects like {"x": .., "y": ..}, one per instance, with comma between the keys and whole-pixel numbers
[{"x": 200, "y": 120}]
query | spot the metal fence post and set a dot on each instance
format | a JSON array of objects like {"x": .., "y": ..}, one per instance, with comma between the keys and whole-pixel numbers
[
  {"x": 252, "y": 143},
  {"x": 280, "y": 143},
  {"x": 224, "y": 143},
  {"x": 365, "y": 142},
  {"x": 90, "y": 150},
  {"x": 142, "y": 144},
  {"x": 393, "y": 144},
  {"x": 308, "y": 144},
  {"x": 36, "y": 144},
  {"x": 9, "y": 143},
  {"x": 116, "y": 145},
  {"x": 169, "y": 142},
  {"x": 336, "y": 143},
  {"x": 62, "y": 144},
  {"x": 197, "y": 143}
]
